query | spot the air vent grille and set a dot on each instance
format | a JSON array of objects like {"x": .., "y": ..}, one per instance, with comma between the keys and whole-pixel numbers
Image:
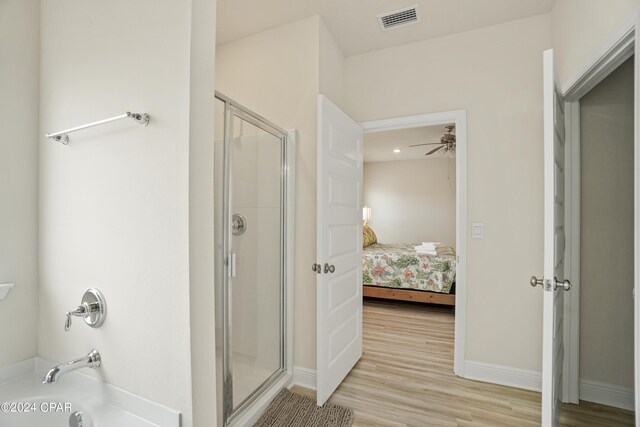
[{"x": 399, "y": 18}]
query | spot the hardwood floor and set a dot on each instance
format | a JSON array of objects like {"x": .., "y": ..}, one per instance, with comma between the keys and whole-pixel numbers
[{"x": 405, "y": 378}]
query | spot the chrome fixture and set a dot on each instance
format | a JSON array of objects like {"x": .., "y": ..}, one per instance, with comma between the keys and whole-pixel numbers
[
  {"x": 63, "y": 137},
  {"x": 534, "y": 281},
  {"x": 238, "y": 224},
  {"x": 93, "y": 309},
  {"x": 546, "y": 284},
  {"x": 565, "y": 284},
  {"x": 327, "y": 268},
  {"x": 79, "y": 419},
  {"x": 91, "y": 360}
]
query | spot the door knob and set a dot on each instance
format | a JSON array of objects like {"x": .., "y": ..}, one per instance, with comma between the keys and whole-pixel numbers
[
  {"x": 329, "y": 268},
  {"x": 565, "y": 284},
  {"x": 534, "y": 281}
]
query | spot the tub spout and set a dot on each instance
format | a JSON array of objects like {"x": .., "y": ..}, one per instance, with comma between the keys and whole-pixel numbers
[{"x": 91, "y": 360}]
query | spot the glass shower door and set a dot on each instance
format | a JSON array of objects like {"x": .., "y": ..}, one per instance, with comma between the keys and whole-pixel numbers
[{"x": 254, "y": 238}]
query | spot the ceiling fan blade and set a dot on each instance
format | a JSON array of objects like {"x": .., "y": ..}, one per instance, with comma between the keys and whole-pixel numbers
[
  {"x": 430, "y": 143},
  {"x": 434, "y": 150}
]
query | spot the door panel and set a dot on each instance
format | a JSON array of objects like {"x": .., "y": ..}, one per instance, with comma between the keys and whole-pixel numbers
[
  {"x": 339, "y": 233},
  {"x": 252, "y": 247},
  {"x": 554, "y": 245},
  {"x": 255, "y": 285}
]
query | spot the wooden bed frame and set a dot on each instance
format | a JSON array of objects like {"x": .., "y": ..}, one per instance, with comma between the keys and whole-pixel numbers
[{"x": 408, "y": 295}]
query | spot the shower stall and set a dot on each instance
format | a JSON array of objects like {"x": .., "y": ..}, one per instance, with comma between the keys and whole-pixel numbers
[{"x": 253, "y": 204}]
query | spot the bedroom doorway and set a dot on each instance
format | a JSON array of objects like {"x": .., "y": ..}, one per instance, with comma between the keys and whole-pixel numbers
[
  {"x": 339, "y": 265},
  {"x": 450, "y": 161}
]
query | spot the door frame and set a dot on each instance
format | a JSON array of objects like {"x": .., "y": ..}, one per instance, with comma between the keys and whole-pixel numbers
[
  {"x": 251, "y": 410},
  {"x": 615, "y": 53},
  {"x": 459, "y": 117}
]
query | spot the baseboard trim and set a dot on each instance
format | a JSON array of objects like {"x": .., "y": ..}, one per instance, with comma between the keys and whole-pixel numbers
[
  {"x": 607, "y": 394},
  {"x": 503, "y": 375},
  {"x": 304, "y": 377}
]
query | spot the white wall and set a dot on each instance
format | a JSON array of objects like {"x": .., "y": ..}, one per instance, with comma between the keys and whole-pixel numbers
[
  {"x": 19, "y": 82},
  {"x": 114, "y": 203},
  {"x": 275, "y": 74},
  {"x": 412, "y": 201},
  {"x": 331, "y": 66},
  {"x": 495, "y": 73},
  {"x": 581, "y": 28},
  {"x": 201, "y": 245},
  {"x": 606, "y": 246}
]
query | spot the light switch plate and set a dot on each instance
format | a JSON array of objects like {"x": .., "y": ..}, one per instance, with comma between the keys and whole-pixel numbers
[{"x": 477, "y": 230}]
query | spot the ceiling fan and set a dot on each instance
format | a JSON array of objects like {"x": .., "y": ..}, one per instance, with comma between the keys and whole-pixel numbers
[{"x": 447, "y": 142}]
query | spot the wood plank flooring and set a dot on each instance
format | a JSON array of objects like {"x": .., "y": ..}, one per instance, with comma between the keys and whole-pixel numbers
[{"x": 405, "y": 378}]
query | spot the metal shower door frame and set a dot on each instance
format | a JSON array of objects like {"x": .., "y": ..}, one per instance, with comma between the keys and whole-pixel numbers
[{"x": 233, "y": 109}]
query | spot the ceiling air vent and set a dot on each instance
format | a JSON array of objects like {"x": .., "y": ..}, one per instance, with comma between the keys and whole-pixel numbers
[{"x": 399, "y": 18}]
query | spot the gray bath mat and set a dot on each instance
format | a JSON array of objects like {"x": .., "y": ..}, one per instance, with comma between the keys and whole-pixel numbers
[{"x": 289, "y": 409}]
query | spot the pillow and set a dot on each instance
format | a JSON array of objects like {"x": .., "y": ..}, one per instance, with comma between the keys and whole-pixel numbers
[{"x": 368, "y": 236}]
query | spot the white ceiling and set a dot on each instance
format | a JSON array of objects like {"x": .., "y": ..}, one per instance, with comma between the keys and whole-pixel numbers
[
  {"x": 379, "y": 146},
  {"x": 354, "y": 25}
]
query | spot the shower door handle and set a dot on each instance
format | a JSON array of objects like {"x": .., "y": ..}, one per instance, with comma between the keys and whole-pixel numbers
[{"x": 232, "y": 264}]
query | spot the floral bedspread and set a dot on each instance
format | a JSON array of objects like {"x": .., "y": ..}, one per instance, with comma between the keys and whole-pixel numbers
[{"x": 398, "y": 265}]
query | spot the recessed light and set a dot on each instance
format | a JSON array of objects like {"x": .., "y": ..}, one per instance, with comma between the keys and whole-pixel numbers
[{"x": 397, "y": 150}]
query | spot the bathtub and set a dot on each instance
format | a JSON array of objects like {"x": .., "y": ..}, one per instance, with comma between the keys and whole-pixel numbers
[{"x": 26, "y": 402}]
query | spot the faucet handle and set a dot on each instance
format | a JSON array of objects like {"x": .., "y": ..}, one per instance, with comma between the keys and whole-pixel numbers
[
  {"x": 80, "y": 311},
  {"x": 93, "y": 310}
]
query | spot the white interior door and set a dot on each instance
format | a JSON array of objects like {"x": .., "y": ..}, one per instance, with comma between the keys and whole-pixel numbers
[
  {"x": 554, "y": 247},
  {"x": 339, "y": 285}
]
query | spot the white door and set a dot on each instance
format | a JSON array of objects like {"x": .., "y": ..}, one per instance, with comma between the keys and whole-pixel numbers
[
  {"x": 554, "y": 244},
  {"x": 339, "y": 268}
]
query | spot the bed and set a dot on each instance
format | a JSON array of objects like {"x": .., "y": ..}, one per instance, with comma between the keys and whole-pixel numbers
[{"x": 397, "y": 271}]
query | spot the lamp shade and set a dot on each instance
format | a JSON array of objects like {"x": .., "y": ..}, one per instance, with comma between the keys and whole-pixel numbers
[{"x": 366, "y": 213}]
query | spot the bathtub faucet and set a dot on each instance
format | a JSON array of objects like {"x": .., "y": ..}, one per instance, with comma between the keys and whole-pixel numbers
[{"x": 91, "y": 360}]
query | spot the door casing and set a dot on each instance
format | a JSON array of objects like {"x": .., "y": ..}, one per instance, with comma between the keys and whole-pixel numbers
[{"x": 615, "y": 53}]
